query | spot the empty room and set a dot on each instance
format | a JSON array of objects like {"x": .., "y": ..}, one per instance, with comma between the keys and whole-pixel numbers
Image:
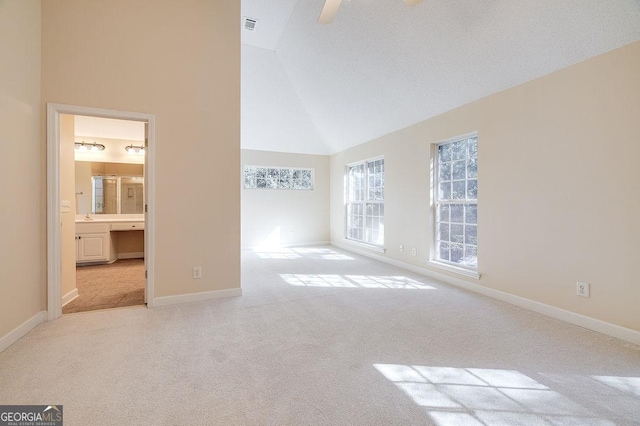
[{"x": 344, "y": 212}]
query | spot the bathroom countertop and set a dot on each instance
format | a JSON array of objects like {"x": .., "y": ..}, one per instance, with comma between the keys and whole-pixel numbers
[{"x": 97, "y": 219}]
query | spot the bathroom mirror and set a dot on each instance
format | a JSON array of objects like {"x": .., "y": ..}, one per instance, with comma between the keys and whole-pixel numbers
[
  {"x": 117, "y": 195},
  {"x": 109, "y": 188}
]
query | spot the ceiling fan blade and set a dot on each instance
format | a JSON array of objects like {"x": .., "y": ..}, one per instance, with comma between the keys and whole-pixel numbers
[
  {"x": 329, "y": 11},
  {"x": 412, "y": 2}
]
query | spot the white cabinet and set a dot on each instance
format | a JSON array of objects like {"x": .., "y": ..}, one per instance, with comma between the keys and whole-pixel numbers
[
  {"x": 92, "y": 247},
  {"x": 127, "y": 226},
  {"x": 92, "y": 242},
  {"x": 97, "y": 241}
]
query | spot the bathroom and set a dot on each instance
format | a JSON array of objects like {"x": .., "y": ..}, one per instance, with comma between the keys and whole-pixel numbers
[{"x": 102, "y": 213}]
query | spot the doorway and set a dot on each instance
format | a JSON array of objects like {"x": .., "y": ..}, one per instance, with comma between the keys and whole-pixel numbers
[
  {"x": 108, "y": 221},
  {"x": 102, "y": 179}
]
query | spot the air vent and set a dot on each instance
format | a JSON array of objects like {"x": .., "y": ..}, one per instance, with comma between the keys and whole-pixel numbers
[{"x": 249, "y": 24}]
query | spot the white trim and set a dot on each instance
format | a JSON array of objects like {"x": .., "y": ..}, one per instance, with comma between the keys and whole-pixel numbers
[
  {"x": 455, "y": 269},
  {"x": 132, "y": 255},
  {"x": 54, "y": 255},
  {"x": 20, "y": 331},
  {"x": 366, "y": 160},
  {"x": 287, "y": 245},
  {"x": 197, "y": 297},
  {"x": 614, "y": 330},
  {"x": 360, "y": 245},
  {"x": 54, "y": 252},
  {"x": 94, "y": 263},
  {"x": 431, "y": 220},
  {"x": 457, "y": 138},
  {"x": 150, "y": 212},
  {"x": 67, "y": 298}
]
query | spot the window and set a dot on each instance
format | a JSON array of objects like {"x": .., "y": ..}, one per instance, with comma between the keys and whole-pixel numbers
[
  {"x": 365, "y": 202},
  {"x": 456, "y": 202},
  {"x": 258, "y": 177}
]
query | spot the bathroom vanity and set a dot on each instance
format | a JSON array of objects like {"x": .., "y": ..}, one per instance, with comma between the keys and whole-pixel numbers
[{"x": 98, "y": 238}]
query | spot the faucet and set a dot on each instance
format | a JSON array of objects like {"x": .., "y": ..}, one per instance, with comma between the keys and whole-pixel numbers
[{"x": 87, "y": 217}]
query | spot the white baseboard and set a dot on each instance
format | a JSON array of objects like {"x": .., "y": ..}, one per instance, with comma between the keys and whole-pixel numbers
[
  {"x": 623, "y": 333},
  {"x": 133, "y": 255},
  {"x": 196, "y": 297},
  {"x": 288, "y": 245},
  {"x": 69, "y": 296},
  {"x": 20, "y": 331}
]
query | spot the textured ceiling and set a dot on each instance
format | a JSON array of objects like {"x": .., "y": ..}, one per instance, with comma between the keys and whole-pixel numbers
[{"x": 382, "y": 65}]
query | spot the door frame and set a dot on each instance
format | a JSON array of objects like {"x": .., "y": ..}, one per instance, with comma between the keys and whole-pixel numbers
[{"x": 54, "y": 240}]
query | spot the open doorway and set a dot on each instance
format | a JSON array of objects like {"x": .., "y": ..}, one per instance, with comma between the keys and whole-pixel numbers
[
  {"x": 103, "y": 266},
  {"x": 100, "y": 227}
]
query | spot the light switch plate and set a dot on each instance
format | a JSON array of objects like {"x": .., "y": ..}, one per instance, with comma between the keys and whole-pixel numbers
[{"x": 65, "y": 206}]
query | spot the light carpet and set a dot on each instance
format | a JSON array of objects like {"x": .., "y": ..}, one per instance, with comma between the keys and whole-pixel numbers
[{"x": 325, "y": 337}]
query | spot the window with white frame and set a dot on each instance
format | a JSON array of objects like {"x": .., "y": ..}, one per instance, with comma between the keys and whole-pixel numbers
[
  {"x": 365, "y": 202},
  {"x": 262, "y": 177},
  {"x": 456, "y": 202}
]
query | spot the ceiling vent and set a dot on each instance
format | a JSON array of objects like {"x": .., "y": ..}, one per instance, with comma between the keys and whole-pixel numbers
[{"x": 249, "y": 24}]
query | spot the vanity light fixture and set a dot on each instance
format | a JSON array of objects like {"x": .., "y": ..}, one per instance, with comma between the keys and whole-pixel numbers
[
  {"x": 89, "y": 147},
  {"x": 133, "y": 149}
]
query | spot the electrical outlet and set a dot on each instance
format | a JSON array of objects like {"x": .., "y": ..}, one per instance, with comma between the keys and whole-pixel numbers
[
  {"x": 197, "y": 272},
  {"x": 583, "y": 289},
  {"x": 401, "y": 248},
  {"x": 414, "y": 251}
]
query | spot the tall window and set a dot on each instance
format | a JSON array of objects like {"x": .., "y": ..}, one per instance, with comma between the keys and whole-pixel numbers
[
  {"x": 365, "y": 202},
  {"x": 456, "y": 202}
]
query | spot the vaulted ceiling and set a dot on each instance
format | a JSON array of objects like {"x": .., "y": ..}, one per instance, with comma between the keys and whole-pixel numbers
[{"x": 382, "y": 65}]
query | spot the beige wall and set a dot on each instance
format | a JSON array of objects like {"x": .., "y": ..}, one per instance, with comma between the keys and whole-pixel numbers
[
  {"x": 181, "y": 62},
  {"x": 129, "y": 242},
  {"x": 123, "y": 169},
  {"x": 67, "y": 192},
  {"x": 22, "y": 286},
  {"x": 108, "y": 169},
  {"x": 286, "y": 217},
  {"x": 558, "y": 186},
  {"x": 83, "y": 184}
]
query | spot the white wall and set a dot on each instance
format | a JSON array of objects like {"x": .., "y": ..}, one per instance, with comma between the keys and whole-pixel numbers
[
  {"x": 282, "y": 216},
  {"x": 558, "y": 186},
  {"x": 22, "y": 277}
]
